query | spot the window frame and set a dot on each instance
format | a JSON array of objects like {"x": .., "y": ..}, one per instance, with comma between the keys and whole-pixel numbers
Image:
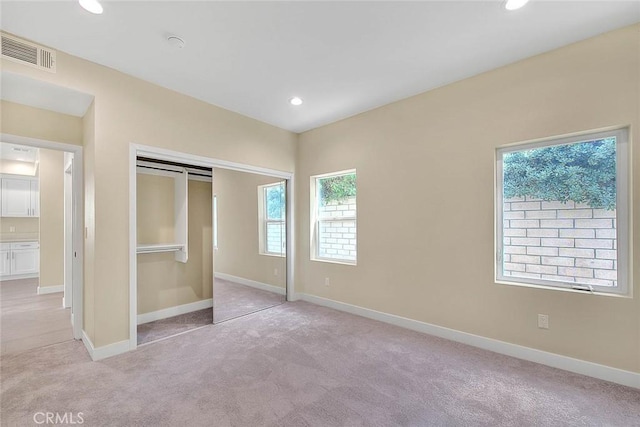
[
  {"x": 315, "y": 220},
  {"x": 623, "y": 213},
  {"x": 264, "y": 221}
]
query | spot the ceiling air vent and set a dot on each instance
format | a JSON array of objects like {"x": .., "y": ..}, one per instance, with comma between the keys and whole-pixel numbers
[{"x": 28, "y": 53}]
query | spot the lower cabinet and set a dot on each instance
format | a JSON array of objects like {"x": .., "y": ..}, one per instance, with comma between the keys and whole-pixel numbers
[
  {"x": 19, "y": 260},
  {"x": 5, "y": 262}
]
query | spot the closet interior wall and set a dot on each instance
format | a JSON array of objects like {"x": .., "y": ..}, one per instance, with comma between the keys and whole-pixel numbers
[{"x": 162, "y": 281}]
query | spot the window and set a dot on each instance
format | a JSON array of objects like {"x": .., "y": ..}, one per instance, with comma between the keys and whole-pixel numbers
[
  {"x": 272, "y": 219},
  {"x": 562, "y": 213},
  {"x": 333, "y": 218}
]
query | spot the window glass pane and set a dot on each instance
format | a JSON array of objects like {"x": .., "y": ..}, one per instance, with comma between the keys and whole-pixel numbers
[
  {"x": 336, "y": 214},
  {"x": 337, "y": 240},
  {"x": 275, "y": 202},
  {"x": 337, "y": 196},
  {"x": 276, "y": 234},
  {"x": 559, "y": 213}
]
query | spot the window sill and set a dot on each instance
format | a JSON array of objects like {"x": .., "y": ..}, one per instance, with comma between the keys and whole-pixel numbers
[
  {"x": 273, "y": 255},
  {"x": 562, "y": 289},
  {"x": 335, "y": 261}
]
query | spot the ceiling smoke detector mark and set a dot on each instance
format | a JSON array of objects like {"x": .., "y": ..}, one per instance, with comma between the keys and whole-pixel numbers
[
  {"x": 28, "y": 53},
  {"x": 175, "y": 41}
]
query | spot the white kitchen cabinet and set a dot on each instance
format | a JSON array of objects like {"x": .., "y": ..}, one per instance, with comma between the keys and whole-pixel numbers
[
  {"x": 20, "y": 260},
  {"x": 5, "y": 261},
  {"x": 20, "y": 197},
  {"x": 35, "y": 197}
]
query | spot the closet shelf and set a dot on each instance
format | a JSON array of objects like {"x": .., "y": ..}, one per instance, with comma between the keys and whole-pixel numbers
[{"x": 159, "y": 247}]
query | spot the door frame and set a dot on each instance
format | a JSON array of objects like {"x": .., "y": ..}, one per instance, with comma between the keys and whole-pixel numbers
[
  {"x": 67, "y": 300},
  {"x": 77, "y": 303},
  {"x": 136, "y": 150}
]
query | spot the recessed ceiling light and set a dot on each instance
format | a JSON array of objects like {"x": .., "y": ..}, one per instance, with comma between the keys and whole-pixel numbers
[
  {"x": 295, "y": 101},
  {"x": 176, "y": 42},
  {"x": 92, "y": 6},
  {"x": 515, "y": 4}
]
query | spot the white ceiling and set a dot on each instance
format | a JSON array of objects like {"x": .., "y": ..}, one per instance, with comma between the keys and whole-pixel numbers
[
  {"x": 37, "y": 93},
  {"x": 341, "y": 58}
]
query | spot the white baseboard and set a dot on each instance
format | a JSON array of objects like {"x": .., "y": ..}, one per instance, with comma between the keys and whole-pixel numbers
[
  {"x": 43, "y": 290},
  {"x": 174, "y": 311},
  {"x": 607, "y": 373},
  {"x": 251, "y": 283},
  {"x": 104, "y": 351}
]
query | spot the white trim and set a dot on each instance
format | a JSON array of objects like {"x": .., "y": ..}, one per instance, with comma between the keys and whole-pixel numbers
[
  {"x": 314, "y": 229},
  {"x": 78, "y": 218},
  {"x": 263, "y": 221},
  {"x": 159, "y": 247},
  {"x": 44, "y": 290},
  {"x": 192, "y": 159},
  {"x": 133, "y": 252},
  {"x": 595, "y": 370},
  {"x": 623, "y": 217},
  {"x": 103, "y": 352},
  {"x": 175, "y": 311},
  {"x": 290, "y": 238},
  {"x": 252, "y": 283}
]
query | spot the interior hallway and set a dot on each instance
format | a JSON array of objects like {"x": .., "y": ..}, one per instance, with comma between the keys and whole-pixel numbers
[{"x": 29, "y": 320}]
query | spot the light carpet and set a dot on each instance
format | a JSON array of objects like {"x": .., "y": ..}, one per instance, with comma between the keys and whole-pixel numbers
[
  {"x": 231, "y": 300},
  {"x": 303, "y": 365}
]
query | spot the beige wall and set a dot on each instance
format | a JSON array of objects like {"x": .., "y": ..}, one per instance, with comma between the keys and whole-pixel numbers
[
  {"x": 18, "y": 119},
  {"x": 25, "y": 228},
  {"x": 433, "y": 154},
  {"x": 162, "y": 281},
  {"x": 237, "y": 254},
  {"x": 128, "y": 110},
  {"x": 155, "y": 209},
  {"x": 51, "y": 218}
]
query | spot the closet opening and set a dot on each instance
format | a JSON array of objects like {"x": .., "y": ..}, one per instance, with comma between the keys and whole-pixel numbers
[{"x": 210, "y": 242}]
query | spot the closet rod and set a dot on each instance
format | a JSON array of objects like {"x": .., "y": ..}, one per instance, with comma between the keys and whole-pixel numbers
[{"x": 170, "y": 163}]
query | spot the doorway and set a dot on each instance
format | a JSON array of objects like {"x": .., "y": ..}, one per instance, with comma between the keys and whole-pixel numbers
[{"x": 42, "y": 219}]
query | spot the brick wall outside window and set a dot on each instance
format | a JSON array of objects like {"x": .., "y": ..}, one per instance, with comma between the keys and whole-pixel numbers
[{"x": 560, "y": 241}]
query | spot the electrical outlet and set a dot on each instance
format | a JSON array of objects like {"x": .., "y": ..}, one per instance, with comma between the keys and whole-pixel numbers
[
  {"x": 275, "y": 271},
  {"x": 12, "y": 229},
  {"x": 327, "y": 282},
  {"x": 543, "y": 321}
]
